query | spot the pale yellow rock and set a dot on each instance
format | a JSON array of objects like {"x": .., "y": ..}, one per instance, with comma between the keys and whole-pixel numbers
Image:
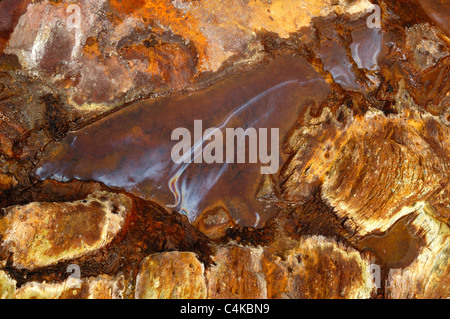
[
  {"x": 371, "y": 169},
  {"x": 7, "y": 286},
  {"x": 102, "y": 287},
  {"x": 429, "y": 275},
  {"x": 314, "y": 267},
  {"x": 171, "y": 275},
  {"x": 41, "y": 234}
]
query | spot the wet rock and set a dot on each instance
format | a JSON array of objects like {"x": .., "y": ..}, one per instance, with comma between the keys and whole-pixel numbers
[
  {"x": 171, "y": 275},
  {"x": 316, "y": 268},
  {"x": 363, "y": 179},
  {"x": 370, "y": 167},
  {"x": 427, "y": 277},
  {"x": 396, "y": 248},
  {"x": 102, "y": 287},
  {"x": 214, "y": 222},
  {"x": 313, "y": 267},
  {"x": 438, "y": 10},
  {"x": 241, "y": 266},
  {"x": 42, "y": 234},
  {"x": 137, "y": 143},
  {"x": 7, "y": 286}
]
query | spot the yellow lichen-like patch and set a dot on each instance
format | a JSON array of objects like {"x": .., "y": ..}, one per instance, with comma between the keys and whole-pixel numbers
[{"x": 7, "y": 181}]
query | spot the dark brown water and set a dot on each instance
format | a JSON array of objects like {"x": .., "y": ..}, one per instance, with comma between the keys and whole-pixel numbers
[{"x": 131, "y": 149}]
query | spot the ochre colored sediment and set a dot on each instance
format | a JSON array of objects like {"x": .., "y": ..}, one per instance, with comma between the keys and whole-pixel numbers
[{"x": 361, "y": 196}]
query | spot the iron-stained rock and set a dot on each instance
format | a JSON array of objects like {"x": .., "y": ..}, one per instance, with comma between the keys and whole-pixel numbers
[
  {"x": 101, "y": 287},
  {"x": 42, "y": 234}
]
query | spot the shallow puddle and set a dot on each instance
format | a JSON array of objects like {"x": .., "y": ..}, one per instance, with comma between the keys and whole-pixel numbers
[{"x": 131, "y": 149}]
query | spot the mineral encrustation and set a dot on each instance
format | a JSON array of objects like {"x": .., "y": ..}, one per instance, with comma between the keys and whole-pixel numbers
[{"x": 118, "y": 178}]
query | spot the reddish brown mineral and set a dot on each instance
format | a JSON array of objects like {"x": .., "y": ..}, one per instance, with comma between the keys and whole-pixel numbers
[{"x": 119, "y": 178}]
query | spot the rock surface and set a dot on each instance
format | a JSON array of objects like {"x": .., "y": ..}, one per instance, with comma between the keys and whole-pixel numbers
[
  {"x": 42, "y": 234},
  {"x": 89, "y": 97},
  {"x": 428, "y": 275},
  {"x": 7, "y": 286},
  {"x": 171, "y": 275},
  {"x": 102, "y": 287}
]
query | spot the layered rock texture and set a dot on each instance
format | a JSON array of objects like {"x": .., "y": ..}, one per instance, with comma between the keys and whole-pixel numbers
[{"x": 92, "y": 204}]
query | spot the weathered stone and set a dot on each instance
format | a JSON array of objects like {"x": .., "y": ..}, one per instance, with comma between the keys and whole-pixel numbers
[
  {"x": 314, "y": 267},
  {"x": 171, "y": 275},
  {"x": 425, "y": 46},
  {"x": 371, "y": 168},
  {"x": 41, "y": 234},
  {"x": 162, "y": 44},
  {"x": 317, "y": 268},
  {"x": 102, "y": 287},
  {"x": 236, "y": 273},
  {"x": 214, "y": 222}
]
